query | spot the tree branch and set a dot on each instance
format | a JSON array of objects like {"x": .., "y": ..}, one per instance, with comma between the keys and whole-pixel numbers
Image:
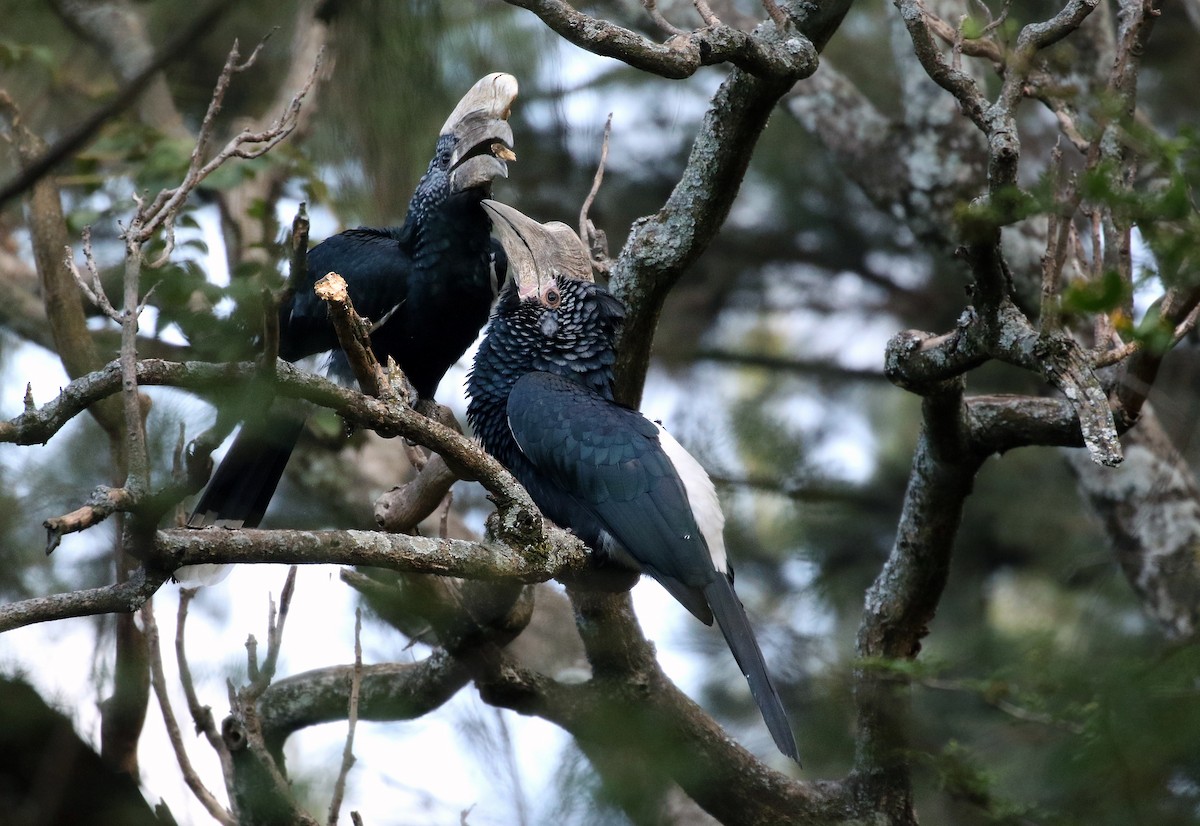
[
  {"x": 762, "y": 53},
  {"x": 159, "y": 683},
  {"x": 559, "y": 554},
  {"x": 122, "y": 598}
]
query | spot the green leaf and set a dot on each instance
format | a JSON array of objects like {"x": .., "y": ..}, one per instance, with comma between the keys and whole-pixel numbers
[
  {"x": 1102, "y": 296},
  {"x": 1155, "y": 334}
]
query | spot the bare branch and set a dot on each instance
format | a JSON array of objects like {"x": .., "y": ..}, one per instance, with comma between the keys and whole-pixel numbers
[
  {"x": 973, "y": 47},
  {"x": 401, "y": 508},
  {"x": 388, "y": 691},
  {"x": 122, "y": 598},
  {"x": 684, "y": 54},
  {"x": 339, "y": 786},
  {"x": 159, "y": 683},
  {"x": 921, "y": 363},
  {"x": 103, "y": 503},
  {"x": 524, "y": 522},
  {"x": 247, "y": 144},
  {"x": 95, "y": 290},
  {"x": 778, "y": 16},
  {"x": 663, "y": 23},
  {"x": 202, "y": 716},
  {"x": 587, "y": 229},
  {"x": 275, "y": 623},
  {"x": 559, "y": 555},
  {"x": 354, "y": 335}
]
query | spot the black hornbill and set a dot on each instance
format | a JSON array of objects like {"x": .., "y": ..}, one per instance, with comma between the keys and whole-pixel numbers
[
  {"x": 541, "y": 402},
  {"x": 427, "y": 286}
]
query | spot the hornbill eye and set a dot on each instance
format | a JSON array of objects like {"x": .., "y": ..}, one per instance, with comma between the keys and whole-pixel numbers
[{"x": 550, "y": 296}]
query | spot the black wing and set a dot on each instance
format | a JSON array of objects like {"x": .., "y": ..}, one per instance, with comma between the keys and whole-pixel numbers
[
  {"x": 609, "y": 459},
  {"x": 377, "y": 268}
]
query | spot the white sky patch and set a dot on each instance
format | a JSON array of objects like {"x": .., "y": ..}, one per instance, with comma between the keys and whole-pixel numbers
[{"x": 645, "y": 120}]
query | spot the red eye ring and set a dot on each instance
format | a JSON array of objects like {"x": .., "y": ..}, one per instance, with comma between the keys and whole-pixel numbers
[{"x": 550, "y": 296}]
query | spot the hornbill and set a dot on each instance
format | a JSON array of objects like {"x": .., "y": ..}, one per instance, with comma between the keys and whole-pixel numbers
[
  {"x": 541, "y": 402},
  {"x": 427, "y": 286}
]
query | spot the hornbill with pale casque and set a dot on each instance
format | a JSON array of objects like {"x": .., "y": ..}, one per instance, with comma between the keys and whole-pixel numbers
[
  {"x": 541, "y": 402},
  {"x": 427, "y": 286}
]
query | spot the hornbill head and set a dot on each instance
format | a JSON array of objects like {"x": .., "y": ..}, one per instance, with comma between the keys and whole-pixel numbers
[
  {"x": 481, "y": 139},
  {"x": 537, "y": 253}
]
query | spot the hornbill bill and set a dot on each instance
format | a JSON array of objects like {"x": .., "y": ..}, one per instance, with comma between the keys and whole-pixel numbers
[
  {"x": 541, "y": 402},
  {"x": 427, "y": 286}
]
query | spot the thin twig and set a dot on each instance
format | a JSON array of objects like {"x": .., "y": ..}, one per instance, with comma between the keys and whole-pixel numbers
[
  {"x": 778, "y": 15},
  {"x": 159, "y": 683},
  {"x": 95, "y": 290},
  {"x": 1107, "y": 358},
  {"x": 339, "y": 787},
  {"x": 275, "y": 629},
  {"x": 444, "y": 523},
  {"x": 663, "y": 23},
  {"x": 1008, "y": 707},
  {"x": 246, "y": 145},
  {"x": 706, "y": 13},
  {"x": 597, "y": 179},
  {"x": 202, "y": 717}
]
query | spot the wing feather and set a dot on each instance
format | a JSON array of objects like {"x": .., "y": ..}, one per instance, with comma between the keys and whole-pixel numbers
[{"x": 610, "y": 460}]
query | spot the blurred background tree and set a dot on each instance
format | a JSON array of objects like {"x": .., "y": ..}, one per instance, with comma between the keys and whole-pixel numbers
[{"x": 1048, "y": 690}]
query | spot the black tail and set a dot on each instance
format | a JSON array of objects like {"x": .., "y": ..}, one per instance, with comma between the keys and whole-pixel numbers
[
  {"x": 731, "y": 618},
  {"x": 243, "y": 484}
]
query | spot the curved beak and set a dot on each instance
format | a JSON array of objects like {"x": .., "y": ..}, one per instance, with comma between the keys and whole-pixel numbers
[
  {"x": 483, "y": 139},
  {"x": 537, "y": 252}
]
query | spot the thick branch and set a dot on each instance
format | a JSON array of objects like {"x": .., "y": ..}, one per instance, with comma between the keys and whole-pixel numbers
[
  {"x": 630, "y": 699},
  {"x": 1157, "y": 553},
  {"x": 559, "y": 554},
  {"x": 389, "y": 691},
  {"x": 683, "y": 54},
  {"x": 37, "y": 426},
  {"x": 921, "y": 362},
  {"x": 661, "y": 247},
  {"x": 60, "y": 295},
  {"x": 402, "y": 507},
  {"x": 902, "y": 601},
  {"x": 123, "y": 598}
]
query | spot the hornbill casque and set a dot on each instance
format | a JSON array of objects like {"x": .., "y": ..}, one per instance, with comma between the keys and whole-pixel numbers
[
  {"x": 541, "y": 402},
  {"x": 427, "y": 286}
]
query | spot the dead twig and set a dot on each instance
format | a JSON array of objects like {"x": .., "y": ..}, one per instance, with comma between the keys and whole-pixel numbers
[
  {"x": 339, "y": 787},
  {"x": 94, "y": 291},
  {"x": 202, "y": 717},
  {"x": 597, "y": 242},
  {"x": 159, "y": 683},
  {"x": 247, "y": 144},
  {"x": 354, "y": 335},
  {"x": 103, "y": 503},
  {"x": 663, "y": 23}
]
